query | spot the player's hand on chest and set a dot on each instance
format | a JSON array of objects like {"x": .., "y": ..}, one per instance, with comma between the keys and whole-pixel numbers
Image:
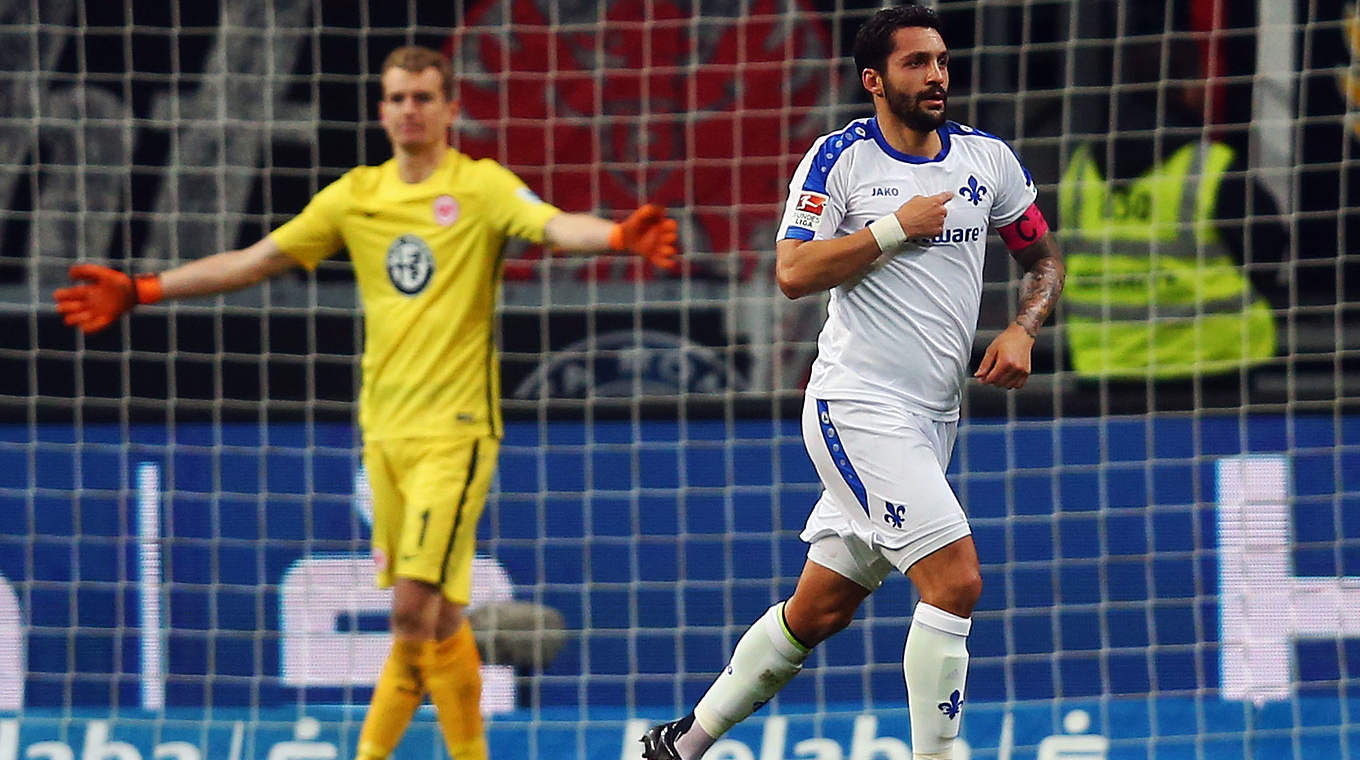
[{"x": 944, "y": 207}]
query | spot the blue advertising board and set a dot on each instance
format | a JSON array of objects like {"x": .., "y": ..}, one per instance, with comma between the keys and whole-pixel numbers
[{"x": 1120, "y": 604}]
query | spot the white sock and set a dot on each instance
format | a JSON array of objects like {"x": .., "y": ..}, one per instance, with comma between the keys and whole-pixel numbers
[
  {"x": 694, "y": 742},
  {"x": 766, "y": 658},
  {"x": 935, "y": 663}
]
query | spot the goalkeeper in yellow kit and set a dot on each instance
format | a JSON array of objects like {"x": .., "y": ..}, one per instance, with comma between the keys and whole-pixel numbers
[{"x": 425, "y": 232}]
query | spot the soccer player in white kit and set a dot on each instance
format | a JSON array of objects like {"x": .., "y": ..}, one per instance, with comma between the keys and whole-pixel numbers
[{"x": 882, "y": 404}]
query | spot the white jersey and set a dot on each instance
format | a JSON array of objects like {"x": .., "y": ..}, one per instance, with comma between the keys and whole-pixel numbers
[{"x": 903, "y": 332}]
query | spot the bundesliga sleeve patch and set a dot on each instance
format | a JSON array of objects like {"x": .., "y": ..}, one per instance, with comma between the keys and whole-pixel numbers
[{"x": 808, "y": 211}]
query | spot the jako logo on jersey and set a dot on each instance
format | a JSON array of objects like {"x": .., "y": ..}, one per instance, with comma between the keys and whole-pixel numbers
[
  {"x": 974, "y": 191},
  {"x": 410, "y": 264},
  {"x": 445, "y": 210},
  {"x": 808, "y": 212},
  {"x": 888, "y": 191}
]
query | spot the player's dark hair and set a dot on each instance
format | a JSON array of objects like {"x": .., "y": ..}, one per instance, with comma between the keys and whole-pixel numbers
[
  {"x": 415, "y": 59},
  {"x": 874, "y": 42}
]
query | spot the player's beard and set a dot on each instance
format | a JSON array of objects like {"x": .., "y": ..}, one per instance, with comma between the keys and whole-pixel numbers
[{"x": 907, "y": 108}]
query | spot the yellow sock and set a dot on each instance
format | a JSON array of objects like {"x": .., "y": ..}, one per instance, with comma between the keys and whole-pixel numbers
[
  {"x": 453, "y": 675},
  {"x": 399, "y": 692}
]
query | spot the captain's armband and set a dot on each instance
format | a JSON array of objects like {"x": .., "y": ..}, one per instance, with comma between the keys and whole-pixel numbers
[{"x": 1022, "y": 232}]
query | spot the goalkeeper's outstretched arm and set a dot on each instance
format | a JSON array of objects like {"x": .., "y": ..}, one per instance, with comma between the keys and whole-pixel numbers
[
  {"x": 647, "y": 232},
  {"x": 227, "y": 271},
  {"x": 101, "y": 295}
]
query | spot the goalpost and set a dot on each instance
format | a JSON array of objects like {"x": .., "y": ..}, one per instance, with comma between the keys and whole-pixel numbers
[{"x": 1171, "y": 567}]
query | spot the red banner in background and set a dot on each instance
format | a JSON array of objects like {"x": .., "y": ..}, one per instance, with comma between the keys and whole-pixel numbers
[{"x": 702, "y": 109}]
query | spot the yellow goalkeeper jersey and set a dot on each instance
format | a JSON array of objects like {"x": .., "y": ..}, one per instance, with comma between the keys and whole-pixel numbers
[{"x": 427, "y": 258}]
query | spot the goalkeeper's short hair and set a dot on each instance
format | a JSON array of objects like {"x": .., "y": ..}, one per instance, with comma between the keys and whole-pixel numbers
[{"x": 417, "y": 58}]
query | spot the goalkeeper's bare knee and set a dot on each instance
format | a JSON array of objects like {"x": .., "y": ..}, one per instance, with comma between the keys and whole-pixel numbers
[{"x": 418, "y": 610}]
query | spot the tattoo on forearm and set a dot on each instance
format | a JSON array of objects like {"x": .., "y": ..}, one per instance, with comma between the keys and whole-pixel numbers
[{"x": 1039, "y": 291}]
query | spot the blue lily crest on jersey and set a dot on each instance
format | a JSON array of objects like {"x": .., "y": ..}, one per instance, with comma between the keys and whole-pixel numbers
[
  {"x": 953, "y": 706},
  {"x": 973, "y": 191},
  {"x": 894, "y": 513}
]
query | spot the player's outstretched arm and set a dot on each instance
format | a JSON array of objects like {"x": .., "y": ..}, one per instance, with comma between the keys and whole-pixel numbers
[
  {"x": 101, "y": 295},
  {"x": 805, "y": 267},
  {"x": 648, "y": 232},
  {"x": 1007, "y": 361}
]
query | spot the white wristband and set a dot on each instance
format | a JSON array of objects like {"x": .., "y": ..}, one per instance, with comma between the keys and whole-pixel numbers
[{"x": 888, "y": 232}]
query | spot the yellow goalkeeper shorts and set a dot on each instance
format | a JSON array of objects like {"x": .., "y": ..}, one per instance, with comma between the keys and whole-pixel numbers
[{"x": 428, "y": 495}]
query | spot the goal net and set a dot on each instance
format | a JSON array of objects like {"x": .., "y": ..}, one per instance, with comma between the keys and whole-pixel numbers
[{"x": 1166, "y": 515}]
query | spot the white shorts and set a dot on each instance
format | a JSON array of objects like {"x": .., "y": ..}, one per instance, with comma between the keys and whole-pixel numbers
[{"x": 886, "y": 503}]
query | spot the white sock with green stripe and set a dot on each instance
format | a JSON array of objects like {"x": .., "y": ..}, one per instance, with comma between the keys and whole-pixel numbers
[{"x": 766, "y": 658}]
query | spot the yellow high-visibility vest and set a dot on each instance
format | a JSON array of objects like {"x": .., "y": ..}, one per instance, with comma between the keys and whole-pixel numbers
[{"x": 1151, "y": 289}]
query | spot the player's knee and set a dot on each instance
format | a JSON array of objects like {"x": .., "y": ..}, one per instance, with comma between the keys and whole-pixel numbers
[
  {"x": 837, "y": 620},
  {"x": 960, "y": 594},
  {"x": 409, "y": 620},
  {"x": 970, "y": 591},
  {"x": 818, "y": 624},
  {"x": 415, "y": 610}
]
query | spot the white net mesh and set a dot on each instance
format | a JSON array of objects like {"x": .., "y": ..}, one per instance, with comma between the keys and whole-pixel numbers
[{"x": 1169, "y": 564}]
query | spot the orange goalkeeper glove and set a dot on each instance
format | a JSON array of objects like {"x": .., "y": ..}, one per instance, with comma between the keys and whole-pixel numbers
[
  {"x": 102, "y": 295},
  {"x": 649, "y": 233}
]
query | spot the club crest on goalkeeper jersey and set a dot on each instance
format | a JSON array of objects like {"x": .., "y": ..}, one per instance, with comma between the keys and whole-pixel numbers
[
  {"x": 902, "y": 333},
  {"x": 427, "y": 258}
]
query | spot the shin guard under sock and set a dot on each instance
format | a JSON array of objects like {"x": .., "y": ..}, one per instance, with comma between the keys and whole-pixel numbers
[{"x": 935, "y": 663}]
